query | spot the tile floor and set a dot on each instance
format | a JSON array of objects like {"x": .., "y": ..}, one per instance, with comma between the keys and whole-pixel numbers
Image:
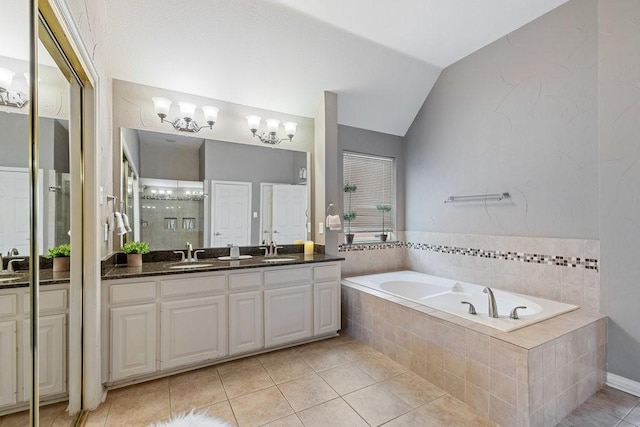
[{"x": 336, "y": 382}]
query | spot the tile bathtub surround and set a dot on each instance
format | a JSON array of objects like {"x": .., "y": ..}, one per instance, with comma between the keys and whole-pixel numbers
[
  {"x": 530, "y": 377},
  {"x": 337, "y": 382},
  {"x": 565, "y": 270}
]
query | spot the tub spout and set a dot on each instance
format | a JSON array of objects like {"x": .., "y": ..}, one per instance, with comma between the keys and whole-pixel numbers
[{"x": 493, "y": 307}]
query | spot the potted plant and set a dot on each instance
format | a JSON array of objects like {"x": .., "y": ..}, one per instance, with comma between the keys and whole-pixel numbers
[
  {"x": 384, "y": 208},
  {"x": 349, "y": 215},
  {"x": 134, "y": 251},
  {"x": 61, "y": 257}
]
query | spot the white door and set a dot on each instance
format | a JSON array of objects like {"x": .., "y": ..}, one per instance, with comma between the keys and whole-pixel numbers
[
  {"x": 326, "y": 310},
  {"x": 266, "y": 201},
  {"x": 133, "y": 341},
  {"x": 231, "y": 213},
  {"x": 288, "y": 210},
  {"x": 193, "y": 330},
  {"x": 14, "y": 211},
  {"x": 246, "y": 328},
  {"x": 288, "y": 314},
  {"x": 53, "y": 355},
  {"x": 8, "y": 376}
]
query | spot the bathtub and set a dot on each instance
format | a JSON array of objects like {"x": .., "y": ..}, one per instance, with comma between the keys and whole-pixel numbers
[{"x": 447, "y": 295}]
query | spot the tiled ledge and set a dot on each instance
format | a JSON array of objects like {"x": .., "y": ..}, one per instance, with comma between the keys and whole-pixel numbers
[{"x": 530, "y": 377}]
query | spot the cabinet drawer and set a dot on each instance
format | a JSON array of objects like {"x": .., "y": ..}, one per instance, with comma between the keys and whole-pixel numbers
[
  {"x": 8, "y": 305},
  {"x": 287, "y": 276},
  {"x": 193, "y": 285},
  {"x": 49, "y": 301},
  {"x": 132, "y": 292},
  {"x": 325, "y": 273},
  {"x": 245, "y": 280}
]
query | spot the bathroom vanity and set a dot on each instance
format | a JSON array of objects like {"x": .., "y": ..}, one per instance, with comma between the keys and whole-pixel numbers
[{"x": 158, "y": 321}]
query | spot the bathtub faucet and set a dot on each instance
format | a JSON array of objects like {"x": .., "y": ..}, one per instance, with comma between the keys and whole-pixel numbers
[{"x": 493, "y": 307}]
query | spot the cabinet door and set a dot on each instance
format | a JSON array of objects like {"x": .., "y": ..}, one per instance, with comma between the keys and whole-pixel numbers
[
  {"x": 193, "y": 330},
  {"x": 53, "y": 355},
  {"x": 326, "y": 308},
  {"x": 8, "y": 376},
  {"x": 288, "y": 314},
  {"x": 246, "y": 328},
  {"x": 133, "y": 341}
]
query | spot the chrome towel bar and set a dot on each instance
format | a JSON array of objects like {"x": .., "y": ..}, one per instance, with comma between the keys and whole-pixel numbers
[{"x": 478, "y": 197}]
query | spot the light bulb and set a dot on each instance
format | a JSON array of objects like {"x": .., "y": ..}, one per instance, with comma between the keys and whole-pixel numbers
[{"x": 161, "y": 105}]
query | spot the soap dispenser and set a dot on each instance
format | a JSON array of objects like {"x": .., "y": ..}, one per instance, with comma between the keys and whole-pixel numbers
[{"x": 234, "y": 251}]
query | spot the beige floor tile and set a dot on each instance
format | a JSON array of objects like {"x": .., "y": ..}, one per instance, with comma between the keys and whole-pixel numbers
[
  {"x": 322, "y": 359},
  {"x": 278, "y": 355},
  {"x": 413, "y": 389},
  {"x": 287, "y": 369},
  {"x": 247, "y": 380},
  {"x": 260, "y": 407},
  {"x": 239, "y": 364},
  {"x": 98, "y": 417},
  {"x": 221, "y": 410},
  {"x": 139, "y": 410},
  {"x": 376, "y": 404},
  {"x": 346, "y": 378},
  {"x": 335, "y": 413},
  {"x": 197, "y": 393},
  {"x": 613, "y": 402},
  {"x": 137, "y": 390},
  {"x": 19, "y": 419},
  {"x": 380, "y": 367},
  {"x": 445, "y": 411},
  {"x": 306, "y": 392},
  {"x": 290, "y": 421},
  {"x": 210, "y": 371},
  {"x": 355, "y": 350},
  {"x": 633, "y": 417}
]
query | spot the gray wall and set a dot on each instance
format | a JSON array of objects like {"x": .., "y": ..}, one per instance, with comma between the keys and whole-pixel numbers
[
  {"x": 169, "y": 162},
  {"x": 519, "y": 115},
  {"x": 376, "y": 143},
  {"x": 14, "y": 140},
  {"x": 226, "y": 161},
  {"x": 619, "y": 125},
  {"x": 131, "y": 140}
]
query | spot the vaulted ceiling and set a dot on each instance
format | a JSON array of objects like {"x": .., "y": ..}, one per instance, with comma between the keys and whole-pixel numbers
[{"x": 381, "y": 57}]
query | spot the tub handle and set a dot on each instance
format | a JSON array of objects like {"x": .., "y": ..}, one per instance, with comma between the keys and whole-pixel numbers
[
  {"x": 472, "y": 309},
  {"x": 514, "y": 312}
]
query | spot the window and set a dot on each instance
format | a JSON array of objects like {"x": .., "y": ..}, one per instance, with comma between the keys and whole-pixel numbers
[{"x": 373, "y": 178}]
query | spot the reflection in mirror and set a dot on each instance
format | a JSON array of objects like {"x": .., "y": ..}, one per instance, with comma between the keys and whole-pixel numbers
[{"x": 221, "y": 193}]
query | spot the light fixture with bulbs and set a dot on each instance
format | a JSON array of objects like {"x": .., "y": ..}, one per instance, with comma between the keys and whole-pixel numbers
[
  {"x": 185, "y": 122},
  {"x": 270, "y": 137},
  {"x": 9, "y": 97}
]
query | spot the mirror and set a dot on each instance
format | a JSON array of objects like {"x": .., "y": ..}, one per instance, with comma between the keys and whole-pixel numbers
[{"x": 212, "y": 193}]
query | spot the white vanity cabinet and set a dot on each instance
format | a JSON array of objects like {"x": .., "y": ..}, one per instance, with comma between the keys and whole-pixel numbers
[
  {"x": 167, "y": 323},
  {"x": 8, "y": 356}
]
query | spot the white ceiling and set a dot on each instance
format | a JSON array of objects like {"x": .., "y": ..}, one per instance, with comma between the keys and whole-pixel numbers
[{"x": 382, "y": 58}]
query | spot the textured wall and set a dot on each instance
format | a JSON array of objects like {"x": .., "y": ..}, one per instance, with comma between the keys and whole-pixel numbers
[
  {"x": 619, "y": 125},
  {"x": 519, "y": 115}
]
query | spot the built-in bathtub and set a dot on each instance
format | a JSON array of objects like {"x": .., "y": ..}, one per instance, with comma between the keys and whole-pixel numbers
[{"x": 447, "y": 295}]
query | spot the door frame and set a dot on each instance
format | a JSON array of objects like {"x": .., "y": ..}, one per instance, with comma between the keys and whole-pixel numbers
[{"x": 212, "y": 210}]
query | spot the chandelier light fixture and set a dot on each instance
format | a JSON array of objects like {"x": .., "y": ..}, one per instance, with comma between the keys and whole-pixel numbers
[
  {"x": 270, "y": 137},
  {"x": 9, "y": 97},
  {"x": 185, "y": 122}
]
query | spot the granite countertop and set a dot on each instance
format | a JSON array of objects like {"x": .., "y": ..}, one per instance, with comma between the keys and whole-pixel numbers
[
  {"x": 47, "y": 277},
  {"x": 161, "y": 267}
]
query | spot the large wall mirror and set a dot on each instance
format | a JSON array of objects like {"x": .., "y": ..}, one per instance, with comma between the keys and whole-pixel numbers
[{"x": 179, "y": 189}]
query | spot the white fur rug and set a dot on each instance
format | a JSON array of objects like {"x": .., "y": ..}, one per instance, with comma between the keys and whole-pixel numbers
[{"x": 193, "y": 419}]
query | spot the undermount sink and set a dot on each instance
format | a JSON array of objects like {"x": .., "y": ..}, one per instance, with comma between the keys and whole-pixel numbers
[
  {"x": 279, "y": 259},
  {"x": 187, "y": 265},
  {"x": 8, "y": 277}
]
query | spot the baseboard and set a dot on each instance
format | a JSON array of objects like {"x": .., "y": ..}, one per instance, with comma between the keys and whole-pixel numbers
[{"x": 623, "y": 384}]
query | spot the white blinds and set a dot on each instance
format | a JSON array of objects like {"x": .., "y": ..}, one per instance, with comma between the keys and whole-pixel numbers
[{"x": 374, "y": 178}]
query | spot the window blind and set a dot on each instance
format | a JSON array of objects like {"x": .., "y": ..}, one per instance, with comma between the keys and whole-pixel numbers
[{"x": 373, "y": 177}]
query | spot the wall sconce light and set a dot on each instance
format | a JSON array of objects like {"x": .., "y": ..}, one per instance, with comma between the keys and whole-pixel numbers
[
  {"x": 270, "y": 137},
  {"x": 185, "y": 122},
  {"x": 8, "y": 97}
]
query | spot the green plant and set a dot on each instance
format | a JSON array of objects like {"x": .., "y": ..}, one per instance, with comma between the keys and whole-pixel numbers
[
  {"x": 349, "y": 215},
  {"x": 384, "y": 208},
  {"x": 136, "y": 248},
  {"x": 59, "y": 251}
]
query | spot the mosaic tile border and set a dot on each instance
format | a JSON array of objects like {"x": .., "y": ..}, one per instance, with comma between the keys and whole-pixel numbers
[{"x": 558, "y": 260}]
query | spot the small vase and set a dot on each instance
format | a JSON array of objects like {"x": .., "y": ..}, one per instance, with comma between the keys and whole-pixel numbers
[
  {"x": 349, "y": 238},
  {"x": 134, "y": 260},
  {"x": 62, "y": 263},
  {"x": 383, "y": 237}
]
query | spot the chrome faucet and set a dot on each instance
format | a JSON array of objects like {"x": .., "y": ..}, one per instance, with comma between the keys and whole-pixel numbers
[
  {"x": 1, "y": 263},
  {"x": 13, "y": 252},
  {"x": 10, "y": 268},
  {"x": 493, "y": 307},
  {"x": 189, "y": 252},
  {"x": 189, "y": 255},
  {"x": 271, "y": 250}
]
